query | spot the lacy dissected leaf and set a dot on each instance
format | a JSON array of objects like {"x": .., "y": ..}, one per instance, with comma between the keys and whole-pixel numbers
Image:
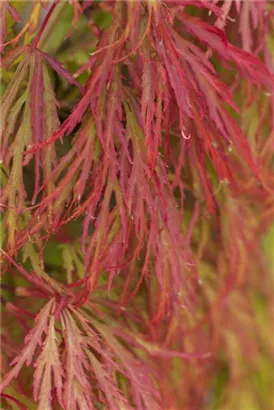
[
  {"x": 143, "y": 391},
  {"x": 73, "y": 261},
  {"x": 49, "y": 372},
  {"x": 245, "y": 62},
  {"x": 33, "y": 341},
  {"x": 141, "y": 203},
  {"x": 116, "y": 362},
  {"x": 85, "y": 368},
  {"x": 26, "y": 120},
  {"x": 28, "y": 117},
  {"x": 77, "y": 387},
  {"x": 252, "y": 18}
]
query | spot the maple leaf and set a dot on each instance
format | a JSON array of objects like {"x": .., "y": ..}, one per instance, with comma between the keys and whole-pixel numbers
[
  {"x": 48, "y": 370},
  {"x": 77, "y": 388},
  {"x": 70, "y": 374},
  {"x": 216, "y": 39},
  {"x": 252, "y": 18},
  {"x": 116, "y": 358},
  {"x": 32, "y": 341},
  {"x": 27, "y": 120}
]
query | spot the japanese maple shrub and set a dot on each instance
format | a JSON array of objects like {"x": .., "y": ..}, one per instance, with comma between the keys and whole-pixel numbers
[{"x": 136, "y": 190}]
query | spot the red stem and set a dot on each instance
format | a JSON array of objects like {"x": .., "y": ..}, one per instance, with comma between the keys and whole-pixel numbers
[
  {"x": 8, "y": 396},
  {"x": 43, "y": 26}
]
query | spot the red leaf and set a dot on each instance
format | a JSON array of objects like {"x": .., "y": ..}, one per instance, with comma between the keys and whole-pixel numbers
[
  {"x": 37, "y": 112},
  {"x": 57, "y": 66},
  {"x": 32, "y": 341}
]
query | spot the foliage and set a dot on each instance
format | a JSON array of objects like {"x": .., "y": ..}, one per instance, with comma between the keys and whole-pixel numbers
[{"x": 137, "y": 204}]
